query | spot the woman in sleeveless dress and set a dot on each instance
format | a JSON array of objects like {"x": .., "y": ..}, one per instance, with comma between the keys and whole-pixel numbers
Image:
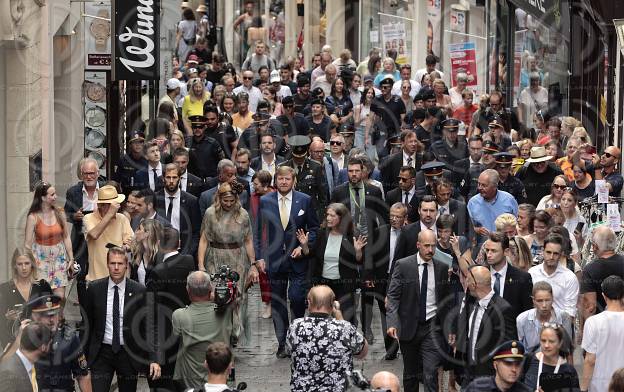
[{"x": 47, "y": 235}]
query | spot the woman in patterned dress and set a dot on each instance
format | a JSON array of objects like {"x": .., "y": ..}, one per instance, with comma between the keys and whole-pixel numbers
[
  {"x": 226, "y": 239},
  {"x": 47, "y": 236}
]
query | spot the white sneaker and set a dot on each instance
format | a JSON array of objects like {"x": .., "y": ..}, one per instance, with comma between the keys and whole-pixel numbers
[{"x": 266, "y": 313}]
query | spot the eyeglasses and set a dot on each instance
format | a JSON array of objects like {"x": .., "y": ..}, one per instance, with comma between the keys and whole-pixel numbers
[
  {"x": 247, "y": 77},
  {"x": 557, "y": 186},
  {"x": 89, "y": 174},
  {"x": 606, "y": 154},
  {"x": 335, "y": 143}
]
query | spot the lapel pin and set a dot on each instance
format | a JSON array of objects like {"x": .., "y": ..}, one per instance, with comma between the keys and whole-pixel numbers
[{"x": 129, "y": 294}]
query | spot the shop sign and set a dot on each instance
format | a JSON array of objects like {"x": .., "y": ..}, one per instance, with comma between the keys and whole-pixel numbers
[
  {"x": 395, "y": 37},
  {"x": 97, "y": 33},
  {"x": 434, "y": 21},
  {"x": 535, "y": 7},
  {"x": 464, "y": 60},
  {"x": 136, "y": 42}
]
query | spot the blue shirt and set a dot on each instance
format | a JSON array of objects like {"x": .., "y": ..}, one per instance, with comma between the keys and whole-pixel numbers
[{"x": 484, "y": 213}]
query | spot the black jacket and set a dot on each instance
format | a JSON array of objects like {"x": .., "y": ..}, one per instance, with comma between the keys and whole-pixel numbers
[
  {"x": 376, "y": 209},
  {"x": 348, "y": 265},
  {"x": 390, "y": 168},
  {"x": 397, "y": 196},
  {"x": 190, "y": 220},
  {"x": 518, "y": 290}
]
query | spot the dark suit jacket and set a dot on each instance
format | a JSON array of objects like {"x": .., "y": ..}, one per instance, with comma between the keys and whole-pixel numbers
[
  {"x": 348, "y": 265},
  {"x": 423, "y": 189},
  {"x": 141, "y": 180},
  {"x": 458, "y": 210},
  {"x": 396, "y": 196},
  {"x": 518, "y": 290},
  {"x": 194, "y": 184},
  {"x": 190, "y": 220},
  {"x": 276, "y": 251},
  {"x": 498, "y": 325},
  {"x": 404, "y": 293},
  {"x": 390, "y": 168},
  {"x": 376, "y": 210},
  {"x": 73, "y": 202},
  {"x": 256, "y": 163},
  {"x": 166, "y": 287},
  {"x": 376, "y": 267},
  {"x": 136, "y": 221},
  {"x": 138, "y": 333},
  {"x": 406, "y": 243},
  {"x": 14, "y": 376},
  {"x": 207, "y": 197}
]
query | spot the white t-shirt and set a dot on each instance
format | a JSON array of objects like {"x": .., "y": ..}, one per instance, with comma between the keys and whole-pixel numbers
[
  {"x": 533, "y": 101},
  {"x": 604, "y": 336}
]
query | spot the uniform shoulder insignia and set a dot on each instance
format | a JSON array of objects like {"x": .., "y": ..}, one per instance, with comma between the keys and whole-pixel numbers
[{"x": 82, "y": 362}]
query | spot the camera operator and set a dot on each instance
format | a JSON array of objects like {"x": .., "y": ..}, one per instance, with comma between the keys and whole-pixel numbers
[
  {"x": 323, "y": 340},
  {"x": 197, "y": 325},
  {"x": 219, "y": 361}
]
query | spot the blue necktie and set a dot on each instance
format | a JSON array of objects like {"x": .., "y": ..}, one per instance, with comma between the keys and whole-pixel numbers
[
  {"x": 422, "y": 309},
  {"x": 497, "y": 283}
]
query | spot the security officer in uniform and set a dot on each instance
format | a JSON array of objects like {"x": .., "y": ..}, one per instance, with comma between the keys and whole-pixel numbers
[
  {"x": 450, "y": 148},
  {"x": 310, "y": 177},
  {"x": 65, "y": 361},
  {"x": 507, "y": 359},
  {"x": 131, "y": 162},
  {"x": 469, "y": 183},
  {"x": 507, "y": 182},
  {"x": 425, "y": 178}
]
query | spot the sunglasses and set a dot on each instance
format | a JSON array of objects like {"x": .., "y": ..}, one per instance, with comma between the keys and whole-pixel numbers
[
  {"x": 247, "y": 77},
  {"x": 289, "y": 106},
  {"x": 606, "y": 154},
  {"x": 557, "y": 186},
  {"x": 335, "y": 143},
  {"x": 386, "y": 86}
]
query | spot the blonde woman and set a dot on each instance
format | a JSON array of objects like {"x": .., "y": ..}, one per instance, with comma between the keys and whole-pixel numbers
[
  {"x": 388, "y": 69},
  {"x": 47, "y": 236},
  {"x": 582, "y": 134},
  {"x": 144, "y": 248},
  {"x": 176, "y": 140},
  {"x": 194, "y": 103},
  {"x": 443, "y": 100},
  {"x": 20, "y": 289}
]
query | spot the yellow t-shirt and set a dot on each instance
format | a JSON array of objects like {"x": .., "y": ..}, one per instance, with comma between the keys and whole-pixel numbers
[
  {"x": 193, "y": 107},
  {"x": 117, "y": 231}
]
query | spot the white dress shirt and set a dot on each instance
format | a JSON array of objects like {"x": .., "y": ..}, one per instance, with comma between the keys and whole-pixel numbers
[
  {"x": 503, "y": 276},
  {"x": 170, "y": 254},
  {"x": 183, "y": 181},
  {"x": 564, "y": 284},
  {"x": 152, "y": 178},
  {"x": 88, "y": 204},
  {"x": 444, "y": 209},
  {"x": 405, "y": 160},
  {"x": 27, "y": 364},
  {"x": 269, "y": 166},
  {"x": 483, "y": 304},
  {"x": 288, "y": 197},
  {"x": 432, "y": 307},
  {"x": 108, "y": 327},
  {"x": 175, "y": 213},
  {"x": 339, "y": 161},
  {"x": 394, "y": 235},
  {"x": 432, "y": 228},
  {"x": 410, "y": 194}
]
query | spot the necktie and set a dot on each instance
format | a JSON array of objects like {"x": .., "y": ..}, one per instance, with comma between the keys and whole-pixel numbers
[
  {"x": 116, "y": 341},
  {"x": 410, "y": 160},
  {"x": 170, "y": 208},
  {"x": 33, "y": 380},
  {"x": 155, "y": 176},
  {"x": 297, "y": 170},
  {"x": 497, "y": 283},
  {"x": 442, "y": 210},
  {"x": 471, "y": 336},
  {"x": 284, "y": 213},
  {"x": 356, "y": 215},
  {"x": 422, "y": 309},
  {"x": 406, "y": 199}
]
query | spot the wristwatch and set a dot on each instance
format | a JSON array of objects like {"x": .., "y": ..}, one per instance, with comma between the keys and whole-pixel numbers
[{"x": 101, "y": 30}]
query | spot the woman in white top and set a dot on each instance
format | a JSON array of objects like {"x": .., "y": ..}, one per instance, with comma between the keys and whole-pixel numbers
[
  {"x": 337, "y": 257},
  {"x": 532, "y": 99},
  {"x": 574, "y": 221},
  {"x": 144, "y": 248},
  {"x": 553, "y": 200},
  {"x": 363, "y": 119},
  {"x": 456, "y": 92},
  {"x": 186, "y": 34}
]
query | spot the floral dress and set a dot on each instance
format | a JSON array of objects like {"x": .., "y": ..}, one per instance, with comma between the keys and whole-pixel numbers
[
  {"x": 223, "y": 233},
  {"x": 50, "y": 253}
]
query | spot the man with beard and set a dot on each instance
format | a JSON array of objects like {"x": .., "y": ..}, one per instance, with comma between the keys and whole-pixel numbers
[
  {"x": 131, "y": 162},
  {"x": 180, "y": 209},
  {"x": 243, "y": 169},
  {"x": 222, "y": 132},
  {"x": 268, "y": 159},
  {"x": 263, "y": 123},
  {"x": 204, "y": 152},
  {"x": 303, "y": 98},
  {"x": 427, "y": 213}
]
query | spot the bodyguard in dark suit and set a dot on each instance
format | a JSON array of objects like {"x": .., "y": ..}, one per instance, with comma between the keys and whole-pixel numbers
[
  {"x": 226, "y": 170},
  {"x": 144, "y": 205},
  {"x": 282, "y": 215},
  {"x": 418, "y": 297},
  {"x": 125, "y": 170},
  {"x": 405, "y": 193},
  {"x": 16, "y": 371},
  {"x": 391, "y": 166},
  {"x": 450, "y": 148},
  {"x": 485, "y": 321},
  {"x": 515, "y": 285},
  {"x": 430, "y": 172},
  {"x": 183, "y": 214},
  {"x": 189, "y": 182},
  {"x": 119, "y": 348},
  {"x": 453, "y": 207},
  {"x": 427, "y": 213},
  {"x": 166, "y": 286}
]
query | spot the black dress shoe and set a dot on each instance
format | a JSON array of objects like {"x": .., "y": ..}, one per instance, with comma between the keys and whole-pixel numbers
[
  {"x": 370, "y": 338},
  {"x": 281, "y": 353},
  {"x": 391, "y": 356}
]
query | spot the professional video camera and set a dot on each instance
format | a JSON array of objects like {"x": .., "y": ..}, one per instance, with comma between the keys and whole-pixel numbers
[
  {"x": 225, "y": 287},
  {"x": 356, "y": 381}
]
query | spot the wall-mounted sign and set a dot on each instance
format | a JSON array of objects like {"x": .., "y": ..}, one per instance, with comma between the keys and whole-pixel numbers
[
  {"x": 136, "y": 40},
  {"x": 464, "y": 60},
  {"x": 97, "y": 30},
  {"x": 95, "y": 119}
]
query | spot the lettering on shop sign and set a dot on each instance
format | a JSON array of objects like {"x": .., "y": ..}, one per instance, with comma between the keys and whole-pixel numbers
[
  {"x": 136, "y": 48},
  {"x": 538, "y": 8}
]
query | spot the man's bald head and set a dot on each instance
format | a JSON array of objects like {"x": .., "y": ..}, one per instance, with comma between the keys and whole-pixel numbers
[
  {"x": 482, "y": 276},
  {"x": 425, "y": 235},
  {"x": 385, "y": 380},
  {"x": 321, "y": 298}
]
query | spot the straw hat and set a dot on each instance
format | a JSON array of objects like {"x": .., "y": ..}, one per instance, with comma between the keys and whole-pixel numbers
[
  {"x": 539, "y": 154},
  {"x": 108, "y": 194}
]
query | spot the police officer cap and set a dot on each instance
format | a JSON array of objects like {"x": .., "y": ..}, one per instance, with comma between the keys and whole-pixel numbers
[
  {"x": 46, "y": 305},
  {"x": 317, "y": 101},
  {"x": 137, "y": 135},
  {"x": 451, "y": 124},
  {"x": 197, "y": 119},
  {"x": 368, "y": 78},
  {"x": 299, "y": 145},
  {"x": 289, "y": 100},
  {"x": 496, "y": 122},
  {"x": 504, "y": 158},
  {"x": 511, "y": 351},
  {"x": 427, "y": 94},
  {"x": 490, "y": 147},
  {"x": 387, "y": 80},
  {"x": 433, "y": 168},
  {"x": 395, "y": 140}
]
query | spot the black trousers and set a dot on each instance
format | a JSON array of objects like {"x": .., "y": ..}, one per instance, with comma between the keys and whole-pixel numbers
[
  {"x": 422, "y": 356},
  {"x": 369, "y": 297},
  {"x": 107, "y": 364}
]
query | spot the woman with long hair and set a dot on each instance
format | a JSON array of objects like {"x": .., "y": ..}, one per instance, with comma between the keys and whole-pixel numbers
[
  {"x": 574, "y": 221},
  {"x": 554, "y": 347},
  {"x": 228, "y": 104},
  {"x": 168, "y": 111},
  {"x": 23, "y": 286},
  {"x": 363, "y": 118},
  {"x": 443, "y": 100},
  {"x": 47, "y": 236},
  {"x": 584, "y": 185},
  {"x": 226, "y": 239},
  {"x": 194, "y": 103},
  {"x": 520, "y": 253},
  {"x": 176, "y": 140},
  {"x": 337, "y": 257},
  {"x": 269, "y": 93},
  {"x": 186, "y": 34},
  {"x": 143, "y": 249},
  {"x": 541, "y": 222},
  {"x": 556, "y": 191},
  {"x": 339, "y": 105},
  {"x": 374, "y": 65},
  {"x": 406, "y": 89}
]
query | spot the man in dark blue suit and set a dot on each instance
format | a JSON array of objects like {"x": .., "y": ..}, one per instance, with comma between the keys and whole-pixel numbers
[{"x": 285, "y": 214}]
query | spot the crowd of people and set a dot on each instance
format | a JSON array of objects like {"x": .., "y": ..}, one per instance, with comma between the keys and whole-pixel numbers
[{"x": 332, "y": 187}]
